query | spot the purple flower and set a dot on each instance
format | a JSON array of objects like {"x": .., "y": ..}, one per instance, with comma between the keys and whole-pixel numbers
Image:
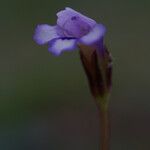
[
  {"x": 72, "y": 29},
  {"x": 76, "y": 30}
]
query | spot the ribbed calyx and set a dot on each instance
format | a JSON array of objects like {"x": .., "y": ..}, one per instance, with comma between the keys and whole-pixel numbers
[{"x": 97, "y": 63}]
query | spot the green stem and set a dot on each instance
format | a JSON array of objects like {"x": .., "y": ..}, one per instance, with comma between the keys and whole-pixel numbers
[
  {"x": 104, "y": 129},
  {"x": 104, "y": 124}
]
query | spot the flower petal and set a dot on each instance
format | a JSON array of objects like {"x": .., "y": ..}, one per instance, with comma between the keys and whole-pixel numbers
[
  {"x": 44, "y": 33},
  {"x": 94, "y": 35},
  {"x": 59, "y": 45},
  {"x": 68, "y": 13}
]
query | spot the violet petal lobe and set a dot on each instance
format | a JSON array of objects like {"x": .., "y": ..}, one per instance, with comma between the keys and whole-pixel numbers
[
  {"x": 59, "y": 45},
  {"x": 90, "y": 21},
  {"x": 76, "y": 28},
  {"x": 96, "y": 34},
  {"x": 45, "y": 33},
  {"x": 70, "y": 19}
]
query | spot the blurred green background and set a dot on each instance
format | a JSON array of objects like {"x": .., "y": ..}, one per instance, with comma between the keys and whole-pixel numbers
[{"x": 45, "y": 103}]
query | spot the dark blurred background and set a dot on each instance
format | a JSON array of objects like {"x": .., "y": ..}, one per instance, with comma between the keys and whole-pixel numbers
[{"x": 45, "y": 103}]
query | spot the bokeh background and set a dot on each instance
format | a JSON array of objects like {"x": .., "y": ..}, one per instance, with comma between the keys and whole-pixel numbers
[{"x": 45, "y": 103}]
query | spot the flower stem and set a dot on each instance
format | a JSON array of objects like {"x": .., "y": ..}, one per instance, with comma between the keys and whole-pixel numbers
[
  {"x": 104, "y": 129},
  {"x": 104, "y": 125}
]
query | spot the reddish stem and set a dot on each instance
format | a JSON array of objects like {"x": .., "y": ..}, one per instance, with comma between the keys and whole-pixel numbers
[{"x": 104, "y": 129}]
